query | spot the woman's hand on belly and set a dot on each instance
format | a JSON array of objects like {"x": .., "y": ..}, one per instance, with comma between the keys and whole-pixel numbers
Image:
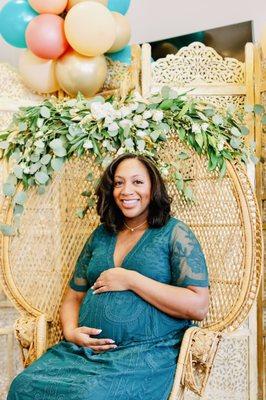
[
  {"x": 114, "y": 279},
  {"x": 82, "y": 337}
]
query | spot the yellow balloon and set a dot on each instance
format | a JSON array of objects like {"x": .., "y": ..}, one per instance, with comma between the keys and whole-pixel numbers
[
  {"x": 71, "y": 3},
  {"x": 90, "y": 28},
  {"x": 123, "y": 32},
  {"x": 37, "y": 73},
  {"x": 76, "y": 73}
]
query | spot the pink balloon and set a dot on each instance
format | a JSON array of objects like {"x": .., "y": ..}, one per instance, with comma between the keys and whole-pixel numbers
[
  {"x": 45, "y": 36},
  {"x": 48, "y": 6}
]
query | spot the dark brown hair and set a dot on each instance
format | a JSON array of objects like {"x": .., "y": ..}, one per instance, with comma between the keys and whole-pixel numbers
[{"x": 111, "y": 216}]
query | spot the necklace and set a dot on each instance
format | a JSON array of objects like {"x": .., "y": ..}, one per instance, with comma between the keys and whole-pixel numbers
[{"x": 136, "y": 227}]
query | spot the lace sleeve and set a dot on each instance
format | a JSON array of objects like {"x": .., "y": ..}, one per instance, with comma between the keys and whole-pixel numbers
[
  {"x": 79, "y": 280},
  {"x": 187, "y": 258}
]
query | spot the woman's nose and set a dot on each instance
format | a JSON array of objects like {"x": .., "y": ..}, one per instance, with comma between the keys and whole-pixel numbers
[{"x": 127, "y": 189}]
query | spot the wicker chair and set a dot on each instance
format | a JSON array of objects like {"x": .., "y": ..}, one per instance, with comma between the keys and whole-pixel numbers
[{"x": 37, "y": 265}]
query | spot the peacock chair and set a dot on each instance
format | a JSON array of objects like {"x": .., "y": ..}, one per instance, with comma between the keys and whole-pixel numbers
[{"x": 37, "y": 264}]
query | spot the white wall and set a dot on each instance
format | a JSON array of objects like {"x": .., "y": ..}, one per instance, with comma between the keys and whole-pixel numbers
[{"x": 159, "y": 19}]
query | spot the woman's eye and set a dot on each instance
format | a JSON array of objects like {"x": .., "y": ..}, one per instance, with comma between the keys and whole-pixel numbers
[
  {"x": 117, "y": 183},
  {"x": 138, "y": 182}
]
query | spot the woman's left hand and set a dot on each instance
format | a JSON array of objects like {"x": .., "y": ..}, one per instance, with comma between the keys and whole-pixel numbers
[{"x": 113, "y": 279}]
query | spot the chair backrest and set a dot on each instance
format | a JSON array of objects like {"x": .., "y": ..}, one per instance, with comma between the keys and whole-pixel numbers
[{"x": 38, "y": 263}]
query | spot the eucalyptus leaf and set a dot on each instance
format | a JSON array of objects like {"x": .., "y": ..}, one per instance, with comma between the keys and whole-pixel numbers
[
  {"x": 9, "y": 189},
  {"x": 18, "y": 209},
  {"x": 12, "y": 179},
  {"x": 45, "y": 159},
  {"x": 56, "y": 143},
  {"x": 259, "y": 109},
  {"x": 179, "y": 184},
  {"x": 199, "y": 139},
  {"x": 141, "y": 108},
  {"x": 86, "y": 193},
  {"x": 90, "y": 177},
  {"x": 188, "y": 193},
  {"x": 80, "y": 213},
  {"x": 235, "y": 143},
  {"x": 45, "y": 112},
  {"x": 35, "y": 158},
  {"x": 22, "y": 126},
  {"x": 217, "y": 119},
  {"x": 91, "y": 203},
  {"x": 18, "y": 172},
  {"x": 7, "y": 230},
  {"x": 244, "y": 130},
  {"x": 209, "y": 112},
  {"x": 182, "y": 155},
  {"x": 60, "y": 151},
  {"x": 20, "y": 198},
  {"x": 41, "y": 189},
  {"x": 34, "y": 167},
  {"x": 39, "y": 122},
  {"x": 40, "y": 144},
  {"x": 182, "y": 133},
  {"x": 235, "y": 131},
  {"x": 166, "y": 104},
  {"x": 88, "y": 144},
  {"x": 155, "y": 135},
  {"x": 57, "y": 163},
  {"x": 140, "y": 145},
  {"x": 129, "y": 143},
  {"x": 165, "y": 92},
  {"x": 41, "y": 177}
]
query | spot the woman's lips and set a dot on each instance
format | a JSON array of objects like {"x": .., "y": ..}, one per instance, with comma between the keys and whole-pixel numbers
[{"x": 129, "y": 203}]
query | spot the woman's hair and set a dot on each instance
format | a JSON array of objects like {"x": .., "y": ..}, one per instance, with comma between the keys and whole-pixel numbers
[{"x": 110, "y": 214}]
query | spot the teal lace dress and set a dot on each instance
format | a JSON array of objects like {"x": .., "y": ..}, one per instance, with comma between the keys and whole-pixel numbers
[{"x": 143, "y": 365}]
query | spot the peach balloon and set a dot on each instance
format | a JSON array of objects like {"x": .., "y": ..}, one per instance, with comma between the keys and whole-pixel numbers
[
  {"x": 90, "y": 28},
  {"x": 37, "y": 73},
  {"x": 76, "y": 73},
  {"x": 123, "y": 32},
  {"x": 48, "y": 6},
  {"x": 45, "y": 36},
  {"x": 72, "y": 3}
]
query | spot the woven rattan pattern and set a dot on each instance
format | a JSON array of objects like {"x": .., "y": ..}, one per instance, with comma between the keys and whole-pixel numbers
[{"x": 40, "y": 260}]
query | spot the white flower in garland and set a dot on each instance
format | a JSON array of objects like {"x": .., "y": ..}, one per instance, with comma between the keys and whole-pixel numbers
[
  {"x": 126, "y": 123},
  {"x": 220, "y": 144},
  {"x": 157, "y": 115},
  {"x": 113, "y": 127},
  {"x": 139, "y": 122},
  {"x": 141, "y": 133},
  {"x": 196, "y": 128},
  {"x": 147, "y": 114},
  {"x": 125, "y": 111}
]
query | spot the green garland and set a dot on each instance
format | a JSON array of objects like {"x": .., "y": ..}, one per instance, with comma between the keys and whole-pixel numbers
[{"x": 43, "y": 137}]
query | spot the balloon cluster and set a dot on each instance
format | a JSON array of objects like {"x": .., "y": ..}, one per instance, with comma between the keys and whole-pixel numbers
[{"x": 66, "y": 41}]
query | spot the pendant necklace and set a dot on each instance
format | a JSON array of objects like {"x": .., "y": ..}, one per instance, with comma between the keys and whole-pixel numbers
[{"x": 136, "y": 227}]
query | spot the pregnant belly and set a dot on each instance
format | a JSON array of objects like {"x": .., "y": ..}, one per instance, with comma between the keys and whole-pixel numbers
[{"x": 122, "y": 316}]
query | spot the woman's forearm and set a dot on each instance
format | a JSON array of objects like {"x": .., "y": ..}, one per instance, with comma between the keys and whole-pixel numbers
[
  {"x": 178, "y": 302},
  {"x": 69, "y": 314}
]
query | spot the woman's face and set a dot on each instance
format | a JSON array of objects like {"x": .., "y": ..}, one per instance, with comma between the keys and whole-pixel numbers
[{"x": 132, "y": 188}]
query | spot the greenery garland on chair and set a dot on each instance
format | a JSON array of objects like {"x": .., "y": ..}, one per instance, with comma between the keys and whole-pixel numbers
[{"x": 41, "y": 138}]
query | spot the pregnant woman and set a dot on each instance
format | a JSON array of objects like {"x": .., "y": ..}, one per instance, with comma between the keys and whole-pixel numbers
[{"x": 139, "y": 281}]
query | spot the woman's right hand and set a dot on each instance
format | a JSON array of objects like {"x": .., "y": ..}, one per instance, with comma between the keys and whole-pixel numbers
[{"x": 81, "y": 337}]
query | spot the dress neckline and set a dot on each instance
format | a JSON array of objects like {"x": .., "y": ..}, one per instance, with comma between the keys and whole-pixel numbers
[{"x": 131, "y": 252}]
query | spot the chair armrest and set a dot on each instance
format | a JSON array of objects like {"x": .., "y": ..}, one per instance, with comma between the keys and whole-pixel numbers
[{"x": 197, "y": 352}]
